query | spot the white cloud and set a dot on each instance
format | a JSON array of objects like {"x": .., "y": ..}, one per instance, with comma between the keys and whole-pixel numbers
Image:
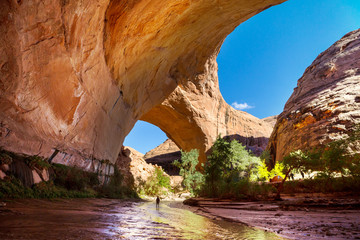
[{"x": 241, "y": 106}]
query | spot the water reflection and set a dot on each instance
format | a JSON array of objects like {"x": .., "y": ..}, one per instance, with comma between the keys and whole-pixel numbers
[
  {"x": 174, "y": 223},
  {"x": 113, "y": 219}
]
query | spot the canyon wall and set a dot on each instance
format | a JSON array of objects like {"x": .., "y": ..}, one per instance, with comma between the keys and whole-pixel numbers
[
  {"x": 56, "y": 89},
  {"x": 325, "y": 105},
  {"x": 75, "y": 76}
]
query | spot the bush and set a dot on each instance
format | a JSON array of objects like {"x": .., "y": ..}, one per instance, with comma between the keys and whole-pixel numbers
[
  {"x": 66, "y": 182},
  {"x": 263, "y": 174},
  {"x": 322, "y": 185},
  {"x": 333, "y": 159},
  {"x": 162, "y": 179},
  {"x": 5, "y": 158},
  {"x": 73, "y": 178},
  {"x": 158, "y": 184},
  {"x": 37, "y": 162},
  {"x": 115, "y": 189},
  {"x": 12, "y": 187}
]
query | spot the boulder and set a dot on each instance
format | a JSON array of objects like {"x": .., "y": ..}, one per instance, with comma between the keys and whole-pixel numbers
[
  {"x": 133, "y": 166},
  {"x": 5, "y": 167},
  {"x": 35, "y": 177},
  {"x": 2, "y": 175}
]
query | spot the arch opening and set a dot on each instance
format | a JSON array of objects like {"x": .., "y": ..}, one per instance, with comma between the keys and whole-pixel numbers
[
  {"x": 297, "y": 52},
  {"x": 144, "y": 137},
  {"x": 154, "y": 146}
]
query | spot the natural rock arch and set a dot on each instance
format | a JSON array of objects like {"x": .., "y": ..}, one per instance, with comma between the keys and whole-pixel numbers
[
  {"x": 77, "y": 75},
  {"x": 179, "y": 47},
  {"x": 196, "y": 113}
]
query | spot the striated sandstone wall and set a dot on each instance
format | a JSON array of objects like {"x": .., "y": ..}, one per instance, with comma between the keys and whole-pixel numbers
[
  {"x": 56, "y": 89},
  {"x": 76, "y": 75},
  {"x": 325, "y": 105}
]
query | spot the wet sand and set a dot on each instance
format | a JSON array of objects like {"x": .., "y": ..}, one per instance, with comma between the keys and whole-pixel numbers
[{"x": 301, "y": 217}]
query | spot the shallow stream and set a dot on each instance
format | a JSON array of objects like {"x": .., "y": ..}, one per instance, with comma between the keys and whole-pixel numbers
[{"x": 114, "y": 219}]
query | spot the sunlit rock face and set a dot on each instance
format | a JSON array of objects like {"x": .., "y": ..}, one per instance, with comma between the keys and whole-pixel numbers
[
  {"x": 164, "y": 155},
  {"x": 196, "y": 113},
  {"x": 325, "y": 105},
  {"x": 135, "y": 171},
  {"x": 56, "y": 90},
  {"x": 271, "y": 120},
  {"x": 133, "y": 167},
  {"x": 76, "y": 75}
]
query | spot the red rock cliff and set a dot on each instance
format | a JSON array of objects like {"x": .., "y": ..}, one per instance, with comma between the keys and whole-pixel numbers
[{"x": 325, "y": 105}]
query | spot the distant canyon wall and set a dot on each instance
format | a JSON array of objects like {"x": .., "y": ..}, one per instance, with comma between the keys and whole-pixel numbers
[{"x": 75, "y": 76}]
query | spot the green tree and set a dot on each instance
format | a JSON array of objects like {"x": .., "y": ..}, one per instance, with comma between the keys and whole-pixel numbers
[
  {"x": 243, "y": 164},
  {"x": 192, "y": 179},
  {"x": 333, "y": 158},
  {"x": 228, "y": 162},
  {"x": 218, "y": 164}
]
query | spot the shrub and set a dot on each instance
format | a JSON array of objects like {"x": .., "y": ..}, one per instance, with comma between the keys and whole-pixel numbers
[
  {"x": 5, "y": 158},
  {"x": 66, "y": 182},
  {"x": 154, "y": 185},
  {"x": 330, "y": 160},
  {"x": 73, "y": 178},
  {"x": 37, "y": 162},
  {"x": 162, "y": 179},
  {"x": 12, "y": 187},
  {"x": 115, "y": 188},
  {"x": 263, "y": 174},
  {"x": 322, "y": 185}
]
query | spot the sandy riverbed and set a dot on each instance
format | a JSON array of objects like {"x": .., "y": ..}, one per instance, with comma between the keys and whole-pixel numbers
[{"x": 301, "y": 217}]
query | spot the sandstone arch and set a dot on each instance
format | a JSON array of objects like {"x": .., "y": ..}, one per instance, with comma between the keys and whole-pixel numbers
[
  {"x": 196, "y": 113},
  {"x": 76, "y": 75}
]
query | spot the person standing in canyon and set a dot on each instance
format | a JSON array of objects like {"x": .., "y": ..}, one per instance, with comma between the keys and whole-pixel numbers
[{"x": 157, "y": 202}]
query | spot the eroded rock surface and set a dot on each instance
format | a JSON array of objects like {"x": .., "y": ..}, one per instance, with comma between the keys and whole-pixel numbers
[
  {"x": 56, "y": 91},
  {"x": 271, "y": 120},
  {"x": 325, "y": 105},
  {"x": 75, "y": 76},
  {"x": 133, "y": 167},
  {"x": 196, "y": 113},
  {"x": 164, "y": 155},
  {"x": 137, "y": 171}
]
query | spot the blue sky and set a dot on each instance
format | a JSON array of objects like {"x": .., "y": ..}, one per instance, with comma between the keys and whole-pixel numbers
[{"x": 261, "y": 61}]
